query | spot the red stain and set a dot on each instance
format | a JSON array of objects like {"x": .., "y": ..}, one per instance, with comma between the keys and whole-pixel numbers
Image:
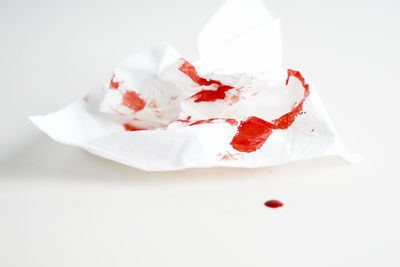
[
  {"x": 253, "y": 132},
  {"x": 113, "y": 84},
  {"x": 298, "y": 75},
  {"x": 132, "y": 128},
  {"x": 287, "y": 119},
  {"x": 227, "y": 157},
  {"x": 237, "y": 96},
  {"x": 185, "y": 120},
  {"x": 153, "y": 104},
  {"x": 235, "y": 99},
  {"x": 232, "y": 122},
  {"x": 190, "y": 71},
  {"x": 173, "y": 98},
  {"x": 211, "y": 95},
  {"x": 230, "y": 156},
  {"x": 133, "y": 101},
  {"x": 204, "y": 95},
  {"x": 312, "y": 130},
  {"x": 158, "y": 114},
  {"x": 273, "y": 204}
]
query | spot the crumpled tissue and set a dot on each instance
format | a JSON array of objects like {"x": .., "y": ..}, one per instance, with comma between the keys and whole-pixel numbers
[{"x": 235, "y": 107}]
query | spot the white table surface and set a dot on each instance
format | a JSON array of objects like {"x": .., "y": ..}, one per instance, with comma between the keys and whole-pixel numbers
[{"x": 61, "y": 206}]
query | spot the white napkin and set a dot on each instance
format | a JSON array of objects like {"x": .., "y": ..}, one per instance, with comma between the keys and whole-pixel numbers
[{"x": 236, "y": 108}]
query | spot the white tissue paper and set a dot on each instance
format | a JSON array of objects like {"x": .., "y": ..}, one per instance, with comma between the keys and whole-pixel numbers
[{"x": 235, "y": 107}]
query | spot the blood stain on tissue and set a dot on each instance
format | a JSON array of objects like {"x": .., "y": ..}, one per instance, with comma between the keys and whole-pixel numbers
[
  {"x": 253, "y": 132},
  {"x": 158, "y": 114},
  {"x": 113, "y": 84},
  {"x": 132, "y": 100},
  {"x": 191, "y": 72},
  {"x": 153, "y": 104},
  {"x": 173, "y": 98},
  {"x": 230, "y": 156},
  {"x": 129, "y": 127},
  {"x": 232, "y": 122},
  {"x": 204, "y": 95},
  {"x": 235, "y": 98},
  {"x": 211, "y": 95},
  {"x": 187, "y": 120},
  {"x": 273, "y": 203},
  {"x": 287, "y": 119},
  {"x": 284, "y": 121}
]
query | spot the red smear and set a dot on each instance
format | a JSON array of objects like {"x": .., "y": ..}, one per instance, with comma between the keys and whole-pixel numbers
[
  {"x": 232, "y": 122},
  {"x": 204, "y": 95},
  {"x": 273, "y": 204},
  {"x": 235, "y": 99},
  {"x": 298, "y": 75},
  {"x": 230, "y": 156},
  {"x": 153, "y": 104},
  {"x": 113, "y": 84},
  {"x": 237, "y": 96},
  {"x": 287, "y": 119},
  {"x": 312, "y": 130},
  {"x": 227, "y": 157},
  {"x": 158, "y": 114},
  {"x": 132, "y": 128},
  {"x": 253, "y": 132},
  {"x": 133, "y": 101},
  {"x": 190, "y": 71},
  {"x": 185, "y": 120},
  {"x": 211, "y": 95},
  {"x": 173, "y": 98}
]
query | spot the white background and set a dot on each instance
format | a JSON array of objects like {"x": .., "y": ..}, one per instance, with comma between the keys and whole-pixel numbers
[{"x": 60, "y": 206}]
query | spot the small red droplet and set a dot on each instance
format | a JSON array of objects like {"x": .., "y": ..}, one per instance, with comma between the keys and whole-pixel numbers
[
  {"x": 312, "y": 130},
  {"x": 273, "y": 204}
]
